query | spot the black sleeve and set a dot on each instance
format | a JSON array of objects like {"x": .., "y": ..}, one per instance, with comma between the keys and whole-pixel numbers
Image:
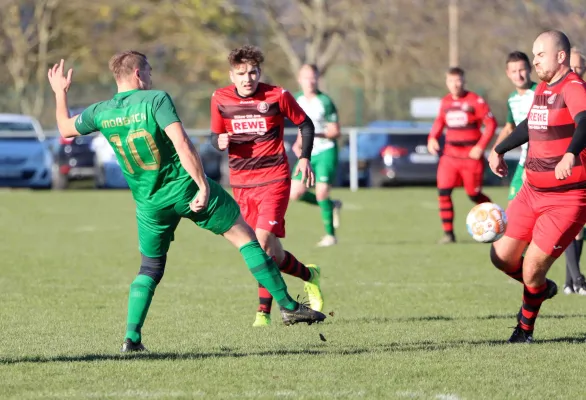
[
  {"x": 518, "y": 137},
  {"x": 578, "y": 142},
  {"x": 307, "y": 135},
  {"x": 214, "y": 140}
]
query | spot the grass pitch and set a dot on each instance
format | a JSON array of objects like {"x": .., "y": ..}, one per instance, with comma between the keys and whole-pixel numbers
[{"x": 411, "y": 320}]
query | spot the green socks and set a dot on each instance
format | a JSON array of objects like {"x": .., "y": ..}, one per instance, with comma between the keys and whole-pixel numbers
[
  {"x": 309, "y": 197},
  {"x": 139, "y": 300},
  {"x": 327, "y": 215},
  {"x": 267, "y": 273}
]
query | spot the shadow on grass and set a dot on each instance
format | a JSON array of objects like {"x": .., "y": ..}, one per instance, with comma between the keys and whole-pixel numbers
[
  {"x": 393, "y": 347},
  {"x": 435, "y": 318}
]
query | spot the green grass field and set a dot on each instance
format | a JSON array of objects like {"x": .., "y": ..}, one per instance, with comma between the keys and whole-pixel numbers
[{"x": 411, "y": 320}]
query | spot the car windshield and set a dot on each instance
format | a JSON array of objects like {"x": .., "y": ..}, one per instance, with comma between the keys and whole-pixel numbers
[{"x": 11, "y": 129}]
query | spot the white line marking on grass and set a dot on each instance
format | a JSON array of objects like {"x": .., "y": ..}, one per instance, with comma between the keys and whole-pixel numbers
[
  {"x": 447, "y": 396},
  {"x": 87, "y": 228}
]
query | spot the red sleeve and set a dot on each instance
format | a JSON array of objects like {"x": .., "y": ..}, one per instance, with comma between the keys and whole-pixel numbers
[
  {"x": 575, "y": 97},
  {"x": 217, "y": 123},
  {"x": 439, "y": 124},
  {"x": 484, "y": 114},
  {"x": 290, "y": 108}
]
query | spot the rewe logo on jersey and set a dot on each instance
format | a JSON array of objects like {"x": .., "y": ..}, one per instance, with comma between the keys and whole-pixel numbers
[
  {"x": 538, "y": 119},
  {"x": 250, "y": 125},
  {"x": 456, "y": 119}
]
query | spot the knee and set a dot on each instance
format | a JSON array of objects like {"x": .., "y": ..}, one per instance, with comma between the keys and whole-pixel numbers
[
  {"x": 501, "y": 261},
  {"x": 322, "y": 192},
  {"x": 153, "y": 267},
  {"x": 296, "y": 192},
  {"x": 265, "y": 242}
]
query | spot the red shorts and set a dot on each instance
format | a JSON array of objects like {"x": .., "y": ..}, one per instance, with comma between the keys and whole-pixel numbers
[
  {"x": 550, "y": 219},
  {"x": 454, "y": 172},
  {"x": 264, "y": 207}
]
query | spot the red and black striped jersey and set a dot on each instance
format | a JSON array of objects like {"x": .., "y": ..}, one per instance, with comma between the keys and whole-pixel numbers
[
  {"x": 463, "y": 118},
  {"x": 551, "y": 127},
  {"x": 256, "y": 152}
]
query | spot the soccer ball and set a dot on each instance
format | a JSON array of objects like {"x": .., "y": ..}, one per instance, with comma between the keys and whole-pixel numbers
[{"x": 486, "y": 222}]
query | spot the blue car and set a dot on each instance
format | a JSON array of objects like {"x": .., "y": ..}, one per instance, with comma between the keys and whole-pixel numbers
[{"x": 25, "y": 154}]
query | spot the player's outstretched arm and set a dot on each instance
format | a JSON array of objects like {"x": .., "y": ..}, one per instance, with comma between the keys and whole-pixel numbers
[
  {"x": 187, "y": 153},
  {"x": 60, "y": 85}
]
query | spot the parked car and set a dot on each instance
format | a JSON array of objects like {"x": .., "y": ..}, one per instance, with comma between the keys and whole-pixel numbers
[
  {"x": 394, "y": 159},
  {"x": 403, "y": 160},
  {"x": 25, "y": 156},
  {"x": 74, "y": 158}
]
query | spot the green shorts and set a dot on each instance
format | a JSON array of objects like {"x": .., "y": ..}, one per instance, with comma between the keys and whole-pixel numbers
[
  {"x": 516, "y": 182},
  {"x": 324, "y": 165},
  {"x": 156, "y": 228}
]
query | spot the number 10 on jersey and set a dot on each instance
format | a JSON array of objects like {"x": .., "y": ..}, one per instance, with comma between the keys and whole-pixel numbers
[{"x": 142, "y": 148}]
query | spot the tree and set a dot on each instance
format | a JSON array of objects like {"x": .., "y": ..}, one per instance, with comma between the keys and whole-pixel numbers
[
  {"x": 307, "y": 31},
  {"x": 27, "y": 29}
]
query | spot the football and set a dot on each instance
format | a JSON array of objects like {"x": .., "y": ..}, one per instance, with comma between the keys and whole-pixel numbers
[{"x": 486, "y": 222}]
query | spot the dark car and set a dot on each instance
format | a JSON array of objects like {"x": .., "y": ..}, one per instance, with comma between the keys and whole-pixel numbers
[
  {"x": 74, "y": 158},
  {"x": 401, "y": 157},
  {"x": 386, "y": 158}
]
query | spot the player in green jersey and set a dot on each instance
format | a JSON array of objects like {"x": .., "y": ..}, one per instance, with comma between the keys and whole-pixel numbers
[
  {"x": 324, "y": 156},
  {"x": 167, "y": 180},
  {"x": 518, "y": 105}
]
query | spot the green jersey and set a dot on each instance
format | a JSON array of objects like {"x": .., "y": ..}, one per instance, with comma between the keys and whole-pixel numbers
[
  {"x": 321, "y": 110},
  {"x": 518, "y": 106},
  {"x": 134, "y": 123}
]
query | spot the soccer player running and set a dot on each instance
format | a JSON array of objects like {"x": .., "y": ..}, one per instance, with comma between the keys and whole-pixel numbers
[
  {"x": 324, "y": 156},
  {"x": 550, "y": 209},
  {"x": 518, "y": 105},
  {"x": 168, "y": 183},
  {"x": 575, "y": 281},
  {"x": 462, "y": 112},
  {"x": 247, "y": 118}
]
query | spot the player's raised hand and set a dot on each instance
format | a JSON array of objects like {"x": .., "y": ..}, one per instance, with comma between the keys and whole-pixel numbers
[
  {"x": 307, "y": 175},
  {"x": 497, "y": 164},
  {"x": 476, "y": 153},
  {"x": 563, "y": 169},
  {"x": 59, "y": 81},
  {"x": 433, "y": 146},
  {"x": 200, "y": 202},
  {"x": 223, "y": 141}
]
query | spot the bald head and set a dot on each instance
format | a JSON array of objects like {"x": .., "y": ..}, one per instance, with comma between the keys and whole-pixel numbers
[
  {"x": 308, "y": 79},
  {"x": 559, "y": 39},
  {"x": 551, "y": 51}
]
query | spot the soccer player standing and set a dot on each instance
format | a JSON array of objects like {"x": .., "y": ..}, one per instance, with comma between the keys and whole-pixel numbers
[
  {"x": 550, "y": 209},
  {"x": 324, "y": 156},
  {"x": 462, "y": 112},
  {"x": 247, "y": 118},
  {"x": 575, "y": 281},
  {"x": 167, "y": 180},
  {"x": 518, "y": 105}
]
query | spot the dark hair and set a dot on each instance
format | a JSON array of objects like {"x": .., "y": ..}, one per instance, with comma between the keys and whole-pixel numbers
[
  {"x": 518, "y": 56},
  {"x": 456, "y": 71},
  {"x": 246, "y": 55},
  {"x": 124, "y": 63}
]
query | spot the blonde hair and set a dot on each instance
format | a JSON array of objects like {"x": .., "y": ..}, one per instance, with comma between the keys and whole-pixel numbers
[{"x": 124, "y": 63}]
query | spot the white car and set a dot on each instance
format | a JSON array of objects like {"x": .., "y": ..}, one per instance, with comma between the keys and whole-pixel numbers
[
  {"x": 25, "y": 154},
  {"x": 108, "y": 172}
]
